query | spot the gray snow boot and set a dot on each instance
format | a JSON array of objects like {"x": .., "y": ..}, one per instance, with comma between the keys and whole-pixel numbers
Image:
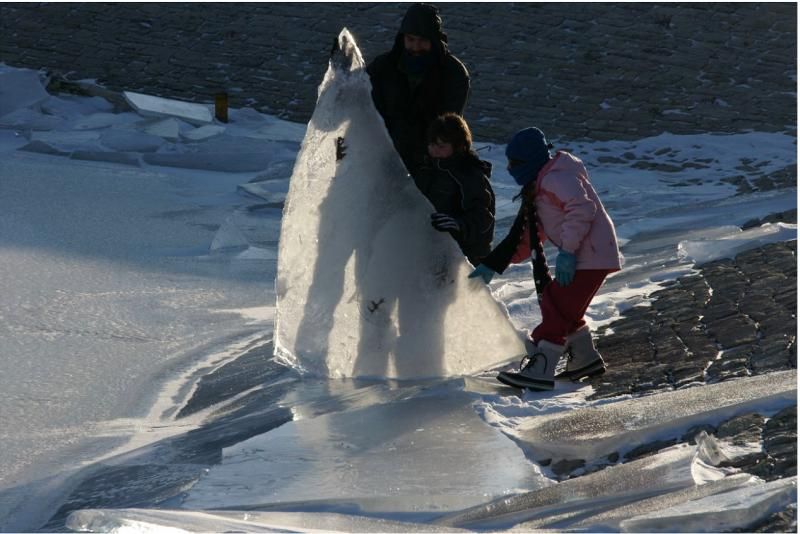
[
  {"x": 583, "y": 360},
  {"x": 536, "y": 371}
]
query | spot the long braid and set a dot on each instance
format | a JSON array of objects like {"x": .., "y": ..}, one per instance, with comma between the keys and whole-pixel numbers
[{"x": 541, "y": 273}]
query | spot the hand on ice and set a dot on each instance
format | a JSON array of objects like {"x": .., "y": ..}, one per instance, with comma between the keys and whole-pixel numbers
[
  {"x": 565, "y": 267},
  {"x": 445, "y": 223},
  {"x": 482, "y": 271}
]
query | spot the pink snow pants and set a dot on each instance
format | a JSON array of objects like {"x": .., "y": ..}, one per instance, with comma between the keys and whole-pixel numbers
[{"x": 563, "y": 307}]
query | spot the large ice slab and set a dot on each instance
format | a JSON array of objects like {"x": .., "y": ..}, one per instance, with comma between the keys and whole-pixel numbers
[
  {"x": 557, "y": 505},
  {"x": 424, "y": 455},
  {"x": 365, "y": 286},
  {"x": 720, "y": 512},
  {"x": 610, "y": 520},
  {"x": 155, "y": 106},
  {"x": 144, "y": 520},
  {"x": 594, "y": 432},
  {"x": 130, "y": 141}
]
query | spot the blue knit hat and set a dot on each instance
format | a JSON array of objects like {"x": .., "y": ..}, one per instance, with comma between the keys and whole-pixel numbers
[{"x": 530, "y": 147}]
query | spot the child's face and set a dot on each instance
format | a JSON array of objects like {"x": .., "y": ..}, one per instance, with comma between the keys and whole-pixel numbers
[{"x": 439, "y": 149}]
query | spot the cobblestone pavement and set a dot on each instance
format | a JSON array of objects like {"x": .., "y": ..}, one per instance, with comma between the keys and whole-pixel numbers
[
  {"x": 599, "y": 71},
  {"x": 742, "y": 310}
]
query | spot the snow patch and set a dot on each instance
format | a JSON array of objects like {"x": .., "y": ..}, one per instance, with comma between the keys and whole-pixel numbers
[{"x": 736, "y": 241}]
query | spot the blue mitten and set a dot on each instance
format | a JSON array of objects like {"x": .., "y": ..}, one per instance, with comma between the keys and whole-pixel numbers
[
  {"x": 565, "y": 267},
  {"x": 482, "y": 271}
]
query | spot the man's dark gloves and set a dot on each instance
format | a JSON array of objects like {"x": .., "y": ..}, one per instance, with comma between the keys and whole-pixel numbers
[{"x": 445, "y": 223}]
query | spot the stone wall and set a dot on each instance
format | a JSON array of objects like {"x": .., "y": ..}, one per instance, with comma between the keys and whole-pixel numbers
[{"x": 600, "y": 71}]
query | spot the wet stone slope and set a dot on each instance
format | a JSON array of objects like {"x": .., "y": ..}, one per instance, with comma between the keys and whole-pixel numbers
[{"x": 733, "y": 318}]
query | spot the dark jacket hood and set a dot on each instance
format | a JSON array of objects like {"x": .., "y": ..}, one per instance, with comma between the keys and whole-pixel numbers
[{"x": 422, "y": 20}]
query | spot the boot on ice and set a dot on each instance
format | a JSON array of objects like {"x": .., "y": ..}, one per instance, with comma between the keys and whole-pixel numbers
[
  {"x": 583, "y": 360},
  {"x": 536, "y": 371}
]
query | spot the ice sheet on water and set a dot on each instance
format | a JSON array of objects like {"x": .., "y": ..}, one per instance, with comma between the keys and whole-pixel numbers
[
  {"x": 145, "y": 520},
  {"x": 123, "y": 158},
  {"x": 423, "y": 455},
  {"x": 68, "y": 140},
  {"x": 33, "y": 120},
  {"x": 40, "y": 147},
  {"x": 20, "y": 89},
  {"x": 126, "y": 141},
  {"x": 203, "y": 132},
  {"x": 154, "y": 106},
  {"x": 734, "y": 242},
  {"x": 671, "y": 470},
  {"x": 74, "y": 106},
  {"x": 167, "y": 128},
  {"x": 365, "y": 286},
  {"x": 594, "y": 432},
  {"x": 720, "y": 512},
  {"x": 223, "y": 153},
  {"x": 211, "y": 161},
  {"x": 609, "y": 521},
  {"x": 99, "y": 121},
  {"x": 228, "y": 237}
]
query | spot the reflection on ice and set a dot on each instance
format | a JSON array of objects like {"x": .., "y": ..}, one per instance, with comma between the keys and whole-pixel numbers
[{"x": 418, "y": 456}]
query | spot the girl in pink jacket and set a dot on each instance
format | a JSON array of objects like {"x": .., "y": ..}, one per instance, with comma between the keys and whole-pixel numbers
[{"x": 558, "y": 204}]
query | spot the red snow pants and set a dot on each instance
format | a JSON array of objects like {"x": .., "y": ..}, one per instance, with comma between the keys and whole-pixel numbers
[{"x": 563, "y": 307}]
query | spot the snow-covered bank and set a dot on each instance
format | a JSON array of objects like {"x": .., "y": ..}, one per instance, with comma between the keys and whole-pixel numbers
[
  {"x": 138, "y": 310},
  {"x": 113, "y": 288}
]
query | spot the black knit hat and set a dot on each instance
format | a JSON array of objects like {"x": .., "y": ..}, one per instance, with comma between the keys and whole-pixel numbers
[{"x": 423, "y": 20}]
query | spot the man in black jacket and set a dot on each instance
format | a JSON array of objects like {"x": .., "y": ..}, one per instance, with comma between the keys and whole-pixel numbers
[{"x": 415, "y": 82}]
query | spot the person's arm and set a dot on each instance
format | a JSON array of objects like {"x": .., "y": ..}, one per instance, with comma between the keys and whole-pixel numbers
[
  {"x": 477, "y": 204},
  {"x": 500, "y": 258}
]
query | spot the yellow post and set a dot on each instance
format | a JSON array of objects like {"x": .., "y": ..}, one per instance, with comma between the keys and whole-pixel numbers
[{"x": 221, "y": 107}]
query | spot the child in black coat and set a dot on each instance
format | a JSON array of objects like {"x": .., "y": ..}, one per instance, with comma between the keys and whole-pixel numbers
[{"x": 457, "y": 183}]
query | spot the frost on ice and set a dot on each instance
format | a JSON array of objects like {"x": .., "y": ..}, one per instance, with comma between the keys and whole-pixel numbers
[
  {"x": 365, "y": 286},
  {"x": 720, "y": 512},
  {"x": 590, "y": 433},
  {"x": 728, "y": 245},
  {"x": 573, "y": 500},
  {"x": 161, "y": 521}
]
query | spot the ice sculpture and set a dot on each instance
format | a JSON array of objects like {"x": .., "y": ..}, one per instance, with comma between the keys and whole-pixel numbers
[{"x": 365, "y": 286}]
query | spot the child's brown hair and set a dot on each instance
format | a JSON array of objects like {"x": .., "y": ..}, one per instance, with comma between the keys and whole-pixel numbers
[{"x": 451, "y": 128}]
